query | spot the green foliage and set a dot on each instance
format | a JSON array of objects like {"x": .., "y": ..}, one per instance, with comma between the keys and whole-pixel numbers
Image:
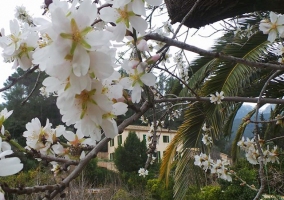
[
  {"x": 98, "y": 176},
  {"x": 39, "y": 175},
  {"x": 35, "y": 106},
  {"x": 206, "y": 193},
  {"x": 159, "y": 190},
  {"x": 234, "y": 189},
  {"x": 132, "y": 155},
  {"x": 132, "y": 181}
]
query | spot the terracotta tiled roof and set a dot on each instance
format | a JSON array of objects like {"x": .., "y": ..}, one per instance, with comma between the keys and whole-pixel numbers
[{"x": 146, "y": 128}]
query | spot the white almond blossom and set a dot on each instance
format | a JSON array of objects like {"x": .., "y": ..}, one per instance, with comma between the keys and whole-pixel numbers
[
  {"x": 109, "y": 125},
  {"x": 19, "y": 46},
  {"x": 206, "y": 139},
  {"x": 138, "y": 6},
  {"x": 203, "y": 161},
  {"x": 205, "y": 128},
  {"x": 124, "y": 18},
  {"x": 137, "y": 78},
  {"x": 252, "y": 154},
  {"x": 143, "y": 172},
  {"x": 273, "y": 27},
  {"x": 56, "y": 168},
  {"x": 85, "y": 109},
  {"x": 217, "y": 99},
  {"x": 38, "y": 137}
]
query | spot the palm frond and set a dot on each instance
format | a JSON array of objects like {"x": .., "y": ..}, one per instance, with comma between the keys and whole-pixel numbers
[
  {"x": 239, "y": 135},
  {"x": 168, "y": 159},
  {"x": 187, "y": 174}
]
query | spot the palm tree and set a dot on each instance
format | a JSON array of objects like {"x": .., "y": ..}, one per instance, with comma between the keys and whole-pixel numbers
[{"x": 234, "y": 79}]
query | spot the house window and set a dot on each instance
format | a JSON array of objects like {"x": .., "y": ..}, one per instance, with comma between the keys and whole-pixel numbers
[
  {"x": 111, "y": 142},
  {"x": 119, "y": 139},
  {"x": 166, "y": 139},
  {"x": 111, "y": 156},
  {"x": 144, "y": 137}
]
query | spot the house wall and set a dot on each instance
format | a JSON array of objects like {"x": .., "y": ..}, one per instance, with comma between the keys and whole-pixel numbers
[{"x": 165, "y": 137}]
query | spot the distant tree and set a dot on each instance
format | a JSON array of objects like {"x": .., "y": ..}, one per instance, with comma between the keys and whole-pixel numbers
[
  {"x": 25, "y": 109},
  {"x": 132, "y": 155}
]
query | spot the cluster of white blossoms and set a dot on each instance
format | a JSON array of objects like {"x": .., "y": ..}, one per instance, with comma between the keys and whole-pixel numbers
[
  {"x": 11, "y": 165},
  {"x": 175, "y": 114},
  {"x": 252, "y": 153},
  {"x": 80, "y": 60},
  {"x": 143, "y": 172},
  {"x": 217, "y": 99},
  {"x": 220, "y": 167},
  {"x": 46, "y": 140},
  {"x": 206, "y": 139},
  {"x": 19, "y": 45},
  {"x": 182, "y": 68}
]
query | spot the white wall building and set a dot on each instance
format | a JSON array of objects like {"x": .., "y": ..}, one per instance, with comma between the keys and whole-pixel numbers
[{"x": 165, "y": 137}]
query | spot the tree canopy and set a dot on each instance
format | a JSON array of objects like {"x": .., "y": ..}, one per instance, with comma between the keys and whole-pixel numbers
[{"x": 130, "y": 156}]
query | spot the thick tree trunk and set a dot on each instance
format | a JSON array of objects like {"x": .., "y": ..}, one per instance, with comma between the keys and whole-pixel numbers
[{"x": 210, "y": 11}]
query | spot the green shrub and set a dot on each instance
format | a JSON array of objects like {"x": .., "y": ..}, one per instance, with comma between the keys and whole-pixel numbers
[
  {"x": 98, "y": 176},
  {"x": 236, "y": 190},
  {"x": 210, "y": 192},
  {"x": 158, "y": 189}
]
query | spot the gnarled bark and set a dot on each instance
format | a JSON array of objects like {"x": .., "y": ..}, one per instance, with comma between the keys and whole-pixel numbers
[{"x": 210, "y": 11}]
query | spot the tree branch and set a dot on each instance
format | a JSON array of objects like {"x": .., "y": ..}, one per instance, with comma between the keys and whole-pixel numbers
[
  {"x": 15, "y": 80},
  {"x": 95, "y": 151},
  {"x": 256, "y": 135},
  {"x": 230, "y": 99},
  {"x": 202, "y": 52}
]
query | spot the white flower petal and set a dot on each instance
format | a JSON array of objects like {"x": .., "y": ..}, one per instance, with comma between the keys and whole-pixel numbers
[
  {"x": 81, "y": 61},
  {"x": 136, "y": 93},
  {"x": 148, "y": 79},
  {"x": 138, "y": 23},
  {"x": 10, "y": 166},
  {"x": 110, "y": 128},
  {"x": 109, "y": 14}
]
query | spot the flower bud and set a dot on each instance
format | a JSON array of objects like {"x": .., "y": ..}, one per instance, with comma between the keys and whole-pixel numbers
[{"x": 153, "y": 59}]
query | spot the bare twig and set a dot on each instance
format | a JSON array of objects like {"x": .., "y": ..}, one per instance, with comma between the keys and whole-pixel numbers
[
  {"x": 185, "y": 18},
  {"x": 276, "y": 138},
  {"x": 15, "y": 80},
  {"x": 244, "y": 182},
  {"x": 184, "y": 83},
  {"x": 36, "y": 84}
]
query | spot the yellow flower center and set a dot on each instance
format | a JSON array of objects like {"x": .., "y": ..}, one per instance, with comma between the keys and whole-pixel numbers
[
  {"x": 84, "y": 98},
  {"x": 124, "y": 14}
]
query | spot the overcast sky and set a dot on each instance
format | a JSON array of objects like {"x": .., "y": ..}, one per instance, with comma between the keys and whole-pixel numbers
[{"x": 7, "y": 9}]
